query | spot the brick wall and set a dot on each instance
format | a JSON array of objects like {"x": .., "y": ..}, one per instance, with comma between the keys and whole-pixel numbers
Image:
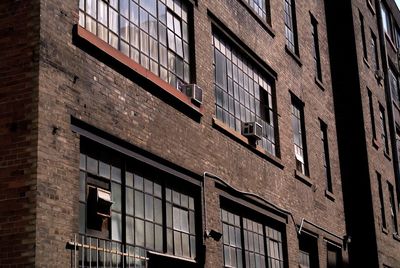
[{"x": 19, "y": 50}]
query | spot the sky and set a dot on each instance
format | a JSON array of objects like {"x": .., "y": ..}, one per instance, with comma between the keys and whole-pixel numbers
[{"x": 398, "y": 3}]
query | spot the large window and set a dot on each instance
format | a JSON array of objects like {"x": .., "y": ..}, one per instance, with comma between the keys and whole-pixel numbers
[
  {"x": 363, "y": 39},
  {"x": 148, "y": 213},
  {"x": 386, "y": 21},
  {"x": 374, "y": 51},
  {"x": 243, "y": 93},
  {"x": 299, "y": 138},
  {"x": 316, "y": 52},
  {"x": 249, "y": 243},
  {"x": 290, "y": 26},
  {"x": 308, "y": 255},
  {"x": 381, "y": 201},
  {"x": 153, "y": 33},
  {"x": 372, "y": 113},
  {"x": 392, "y": 207},
  {"x": 261, "y": 8}
]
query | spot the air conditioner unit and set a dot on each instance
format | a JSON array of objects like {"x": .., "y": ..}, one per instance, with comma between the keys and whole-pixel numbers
[
  {"x": 101, "y": 202},
  {"x": 194, "y": 92},
  {"x": 252, "y": 130}
]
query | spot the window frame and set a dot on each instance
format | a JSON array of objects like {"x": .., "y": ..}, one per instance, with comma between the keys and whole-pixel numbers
[
  {"x": 381, "y": 201},
  {"x": 244, "y": 214},
  {"x": 392, "y": 207},
  {"x": 326, "y": 157},
  {"x": 290, "y": 22},
  {"x": 363, "y": 37},
  {"x": 163, "y": 180},
  {"x": 384, "y": 132},
  {"x": 260, "y": 94},
  {"x": 316, "y": 48},
  {"x": 296, "y": 103}
]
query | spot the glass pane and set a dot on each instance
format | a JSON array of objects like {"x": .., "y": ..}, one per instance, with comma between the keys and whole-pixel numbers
[
  {"x": 124, "y": 28},
  {"x": 130, "y": 230},
  {"x": 82, "y": 218},
  {"x": 102, "y": 13},
  {"x": 184, "y": 220},
  {"x": 91, "y": 7},
  {"x": 116, "y": 227},
  {"x": 129, "y": 201},
  {"x": 82, "y": 161},
  {"x": 177, "y": 244},
  {"x": 139, "y": 232},
  {"x": 149, "y": 235},
  {"x": 158, "y": 238},
  {"x": 148, "y": 205},
  {"x": 116, "y": 196},
  {"x": 139, "y": 206},
  {"x": 138, "y": 182},
  {"x": 149, "y": 5},
  {"x": 124, "y": 7},
  {"x": 157, "y": 190},
  {"x": 169, "y": 214},
  {"x": 116, "y": 174},
  {"x": 92, "y": 165},
  {"x": 104, "y": 170},
  {"x": 170, "y": 246},
  {"x": 157, "y": 211},
  {"x": 148, "y": 186},
  {"x": 185, "y": 245},
  {"x": 129, "y": 179},
  {"x": 82, "y": 186},
  {"x": 192, "y": 246},
  {"x": 113, "y": 20},
  {"x": 134, "y": 13}
]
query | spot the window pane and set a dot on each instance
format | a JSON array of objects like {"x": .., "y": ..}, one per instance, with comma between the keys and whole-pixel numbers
[
  {"x": 116, "y": 196},
  {"x": 116, "y": 227},
  {"x": 139, "y": 204},
  {"x": 130, "y": 230},
  {"x": 139, "y": 232}
]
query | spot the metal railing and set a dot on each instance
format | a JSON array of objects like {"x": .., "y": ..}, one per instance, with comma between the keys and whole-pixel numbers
[{"x": 88, "y": 252}]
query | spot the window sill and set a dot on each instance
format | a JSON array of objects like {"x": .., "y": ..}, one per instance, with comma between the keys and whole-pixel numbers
[
  {"x": 375, "y": 143},
  {"x": 319, "y": 84},
  {"x": 303, "y": 178},
  {"x": 293, "y": 55},
  {"x": 366, "y": 63},
  {"x": 384, "y": 230},
  {"x": 243, "y": 140},
  {"x": 390, "y": 41},
  {"x": 137, "y": 68},
  {"x": 387, "y": 156},
  {"x": 169, "y": 256},
  {"x": 330, "y": 195},
  {"x": 259, "y": 19},
  {"x": 371, "y": 8},
  {"x": 396, "y": 237},
  {"x": 396, "y": 105}
]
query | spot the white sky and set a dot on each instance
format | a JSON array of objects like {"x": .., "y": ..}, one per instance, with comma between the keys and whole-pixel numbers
[{"x": 398, "y": 3}]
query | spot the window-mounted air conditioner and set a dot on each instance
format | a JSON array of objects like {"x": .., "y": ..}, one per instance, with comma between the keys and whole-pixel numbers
[
  {"x": 193, "y": 91},
  {"x": 252, "y": 130},
  {"x": 101, "y": 201}
]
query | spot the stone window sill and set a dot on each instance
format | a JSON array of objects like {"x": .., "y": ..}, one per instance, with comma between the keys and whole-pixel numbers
[
  {"x": 137, "y": 68},
  {"x": 396, "y": 237},
  {"x": 243, "y": 140},
  {"x": 384, "y": 230},
  {"x": 330, "y": 195},
  {"x": 303, "y": 178},
  {"x": 386, "y": 154},
  {"x": 293, "y": 55},
  {"x": 390, "y": 41},
  {"x": 375, "y": 143},
  {"x": 366, "y": 62},
  {"x": 371, "y": 8},
  {"x": 319, "y": 84}
]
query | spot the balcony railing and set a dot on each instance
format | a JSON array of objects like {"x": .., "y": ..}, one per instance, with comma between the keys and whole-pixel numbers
[{"x": 88, "y": 252}]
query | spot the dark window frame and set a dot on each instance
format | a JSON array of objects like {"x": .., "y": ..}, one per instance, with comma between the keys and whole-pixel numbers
[
  {"x": 372, "y": 113},
  {"x": 326, "y": 158},
  {"x": 392, "y": 207},
  {"x": 381, "y": 201},
  {"x": 363, "y": 37},
  {"x": 316, "y": 48},
  {"x": 384, "y": 132},
  {"x": 290, "y": 21},
  {"x": 158, "y": 180},
  {"x": 296, "y": 103},
  {"x": 308, "y": 250}
]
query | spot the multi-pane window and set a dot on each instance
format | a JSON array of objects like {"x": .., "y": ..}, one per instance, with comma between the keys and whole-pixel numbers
[
  {"x": 325, "y": 155},
  {"x": 392, "y": 206},
  {"x": 363, "y": 39},
  {"x": 153, "y": 33},
  {"x": 381, "y": 200},
  {"x": 290, "y": 26},
  {"x": 243, "y": 93},
  {"x": 260, "y": 7},
  {"x": 386, "y": 21},
  {"x": 334, "y": 258},
  {"x": 398, "y": 146},
  {"x": 249, "y": 243},
  {"x": 374, "y": 51},
  {"x": 316, "y": 52},
  {"x": 394, "y": 86},
  {"x": 299, "y": 136},
  {"x": 372, "y": 114},
  {"x": 384, "y": 135},
  {"x": 146, "y": 213},
  {"x": 308, "y": 252}
]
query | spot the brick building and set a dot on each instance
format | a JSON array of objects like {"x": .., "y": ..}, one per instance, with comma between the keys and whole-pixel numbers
[
  {"x": 109, "y": 158},
  {"x": 364, "y": 45}
]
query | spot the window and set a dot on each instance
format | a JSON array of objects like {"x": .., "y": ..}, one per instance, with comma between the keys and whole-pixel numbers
[
  {"x": 308, "y": 255},
  {"x": 364, "y": 43},
  {"x": 316, "y": 52},
  {"x": 325, "y": 155},
  {"x": 334, "y": 256},
  {"x": 243, "y": 93},
  {"x": 392, "y": 206},
  {"x": 384, "y": 136},
  {"x": 249, "y": 243},
  {"x": 381, "y": 201},
  {"x": 290, "y": 26},
  {"x": 374, "y": 51},
  {"x": 398, "y": 146},
  {"x": 299, "y": 136},
  {"x": 386, "y": 22},
  {"x": 398, "y": 37},
  {"x": 372, "y": 114},
  {"x": 394, "y": 86},
  {"x": 148, "y": 212},
  {"x": 261, "y": 8},
  {"x": 151, "y": 33}
]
